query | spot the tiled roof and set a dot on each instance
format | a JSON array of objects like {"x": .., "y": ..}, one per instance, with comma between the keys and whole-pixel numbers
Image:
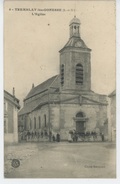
[
  {"x": 112, "y": 94},
  {"x": 11, "y": 98},
  {"x": 76, "y": 42},
  {"x": 30, "y": 106},
  {"x": 75, "y": 20},
  {"x": 64, "y": 98},
  {"x": 41, "y": 87}
]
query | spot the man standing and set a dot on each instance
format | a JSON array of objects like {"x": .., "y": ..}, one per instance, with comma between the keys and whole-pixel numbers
[{"x": 58, "y": 137}]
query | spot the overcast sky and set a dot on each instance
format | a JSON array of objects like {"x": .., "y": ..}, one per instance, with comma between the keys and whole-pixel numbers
[{"x": 32, "y": 42}]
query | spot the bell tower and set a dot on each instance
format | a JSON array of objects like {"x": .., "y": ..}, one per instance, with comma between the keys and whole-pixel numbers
[
  {"x": 74, "y": 27},
  {"x": 75, "y": 65}
]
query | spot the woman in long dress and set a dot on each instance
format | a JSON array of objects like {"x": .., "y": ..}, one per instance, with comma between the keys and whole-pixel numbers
[{"x": 69, "y": 137}]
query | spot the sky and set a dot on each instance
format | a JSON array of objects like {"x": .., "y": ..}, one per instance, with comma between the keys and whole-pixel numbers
[{"x": 32, "y": 42}]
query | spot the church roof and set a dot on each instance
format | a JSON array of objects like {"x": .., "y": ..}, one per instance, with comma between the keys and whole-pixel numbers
[
  {"x": 112, "y": 94},
  {"x": 29, "y": 107},
  {"x": 11, "y": 98},
  {"x": 41, "y": 87},
  {"x": 65, "y": 98},
  {"x": 76, "y": 42},
  {"x": 75, "y": 20}
]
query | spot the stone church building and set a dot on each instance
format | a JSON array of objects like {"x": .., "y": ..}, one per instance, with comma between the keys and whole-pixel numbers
[{"x": 66, "y": 102}]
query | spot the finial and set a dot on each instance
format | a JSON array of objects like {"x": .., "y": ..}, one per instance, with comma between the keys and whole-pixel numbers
[
  {"x": 75, "y": 9},
  {"x": 13, "y": 91}
]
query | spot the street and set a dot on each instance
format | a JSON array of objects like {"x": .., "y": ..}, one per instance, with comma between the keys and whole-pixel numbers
[{"x": 61, "y": 160}]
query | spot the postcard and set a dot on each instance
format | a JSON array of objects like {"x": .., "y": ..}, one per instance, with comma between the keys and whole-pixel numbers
[{"x": 59, "y": 89}]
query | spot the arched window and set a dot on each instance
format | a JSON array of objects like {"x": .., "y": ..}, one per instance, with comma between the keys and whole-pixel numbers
[
  {"x": 79, "y": 74},
  {"x": 30, "y": 124},
  {"x": 62, "y": 74},
  {"x": 34, "y": 123},
  {"x": 39, "y": 122},
  {"x": 45, "y": 120},
  {"x": 25, "y": 120},
  {"x": 80, "y": 114}
]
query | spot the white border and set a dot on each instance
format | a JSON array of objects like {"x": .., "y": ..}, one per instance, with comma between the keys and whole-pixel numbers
[
  {"x": 70, "y": 181},
  {"x": 1, "y": 92},
  {"x": 118, "y": 84}
]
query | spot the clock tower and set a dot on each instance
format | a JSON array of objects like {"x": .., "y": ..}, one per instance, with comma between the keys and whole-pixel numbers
[{"x": 75, "y": 65}]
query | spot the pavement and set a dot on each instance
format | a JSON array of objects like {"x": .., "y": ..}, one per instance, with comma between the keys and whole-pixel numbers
[{"x": 61, "y": 160}]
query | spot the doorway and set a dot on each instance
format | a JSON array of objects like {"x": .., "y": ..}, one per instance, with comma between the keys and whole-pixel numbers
[
  {"x": 80, "y": 126},
  {"x": 80, "y": 122}
]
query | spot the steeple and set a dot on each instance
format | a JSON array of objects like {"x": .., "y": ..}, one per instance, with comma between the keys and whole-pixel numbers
[
  {"x": 74, "y": 27},
  {"x": 75, "y": 40},
  {"x": 75, "y": 65}
]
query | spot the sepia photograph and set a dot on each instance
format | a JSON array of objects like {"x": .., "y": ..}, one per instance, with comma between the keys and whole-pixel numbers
[{"x": 60, "y": 89}]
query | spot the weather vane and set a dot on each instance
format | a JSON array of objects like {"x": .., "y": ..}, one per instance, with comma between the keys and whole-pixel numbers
[{"x": 75, "y": 9}]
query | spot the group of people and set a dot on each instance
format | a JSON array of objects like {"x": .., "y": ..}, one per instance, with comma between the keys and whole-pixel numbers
[
  {"x": 74, "y": 136},
  {"x": 40, "y": 136}
]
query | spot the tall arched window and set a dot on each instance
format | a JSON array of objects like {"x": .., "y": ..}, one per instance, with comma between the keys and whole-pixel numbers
[
  {"x": 34, "y": 123},
  {"x": 62, "y": 74},
  {"x": 45, "y": 120},
  {"x": 39, "y": 122},
  {"x": 79, "y": 74},
  {"x": 30, "y": 124}
]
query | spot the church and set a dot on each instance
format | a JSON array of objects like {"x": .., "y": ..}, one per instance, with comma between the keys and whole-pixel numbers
[{"x": 66, "y": 101}]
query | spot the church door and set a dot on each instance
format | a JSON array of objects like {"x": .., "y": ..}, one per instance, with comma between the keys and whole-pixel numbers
[
  {"x": 80, "y": 126},
  {"x": 80, "y": 122}
]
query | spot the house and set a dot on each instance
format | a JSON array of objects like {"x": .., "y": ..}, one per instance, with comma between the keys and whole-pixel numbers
[
  {"x": 11, "y": 107},
  {"x": 112, "y": 116}
]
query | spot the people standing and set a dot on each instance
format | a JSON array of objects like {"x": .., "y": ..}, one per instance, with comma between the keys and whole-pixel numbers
[
  {"x": 50, "y": 136},
  {"x": 76, "y": 137},
  {"x": 41, "y": 134},
  {"x": 53, "y": 137},
  {"x": 38, "y": 136},
  {"x": 70, "y": 137},
  {"x": 28, "y": 136},
  {"x": 102, "y": 136},
  {"x": 58, "y": 137},
  {"x": 32, "y": 135}
]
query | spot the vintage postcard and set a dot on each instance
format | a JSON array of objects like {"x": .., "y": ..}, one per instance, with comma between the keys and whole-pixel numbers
[{"x": 59, "y": 89}]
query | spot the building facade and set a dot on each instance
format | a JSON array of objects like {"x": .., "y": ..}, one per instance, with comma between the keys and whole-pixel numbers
[
  {"x": 11, "y": 107},
  {"x": 66, "y": 102},
  {"x": 112, "y": 116}
]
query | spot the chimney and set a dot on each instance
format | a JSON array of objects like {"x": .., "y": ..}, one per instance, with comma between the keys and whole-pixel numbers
[
  {"x": 13, "y": 91},
  {"x": 32, "y": 85}
]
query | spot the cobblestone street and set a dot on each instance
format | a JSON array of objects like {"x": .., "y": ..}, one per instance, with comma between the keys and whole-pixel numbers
[{"x": 61, "y": 160}]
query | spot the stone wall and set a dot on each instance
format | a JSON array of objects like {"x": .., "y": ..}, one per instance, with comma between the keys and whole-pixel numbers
[
  {"x": 9, "y": 138},
  {"x": 70, "y": 58},
  {"x": 63, "y": 117},
  {"x": 44, "y": 111},
  {"x": 60, "y": 116},
  {"x": 112, "y": 118},
  {"x": 11, "y": 133}
]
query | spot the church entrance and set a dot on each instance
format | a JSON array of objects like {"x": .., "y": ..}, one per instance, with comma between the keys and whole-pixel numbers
[
  {"x": 80, "y": 120},
  {"x": 80, "y": 126}
]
